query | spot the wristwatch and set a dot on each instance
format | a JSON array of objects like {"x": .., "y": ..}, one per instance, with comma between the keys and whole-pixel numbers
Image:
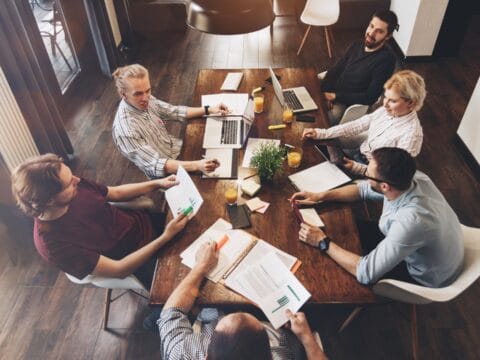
[
  {"x": 206, "y": 109},
  {"x": 324, "y": 244}
]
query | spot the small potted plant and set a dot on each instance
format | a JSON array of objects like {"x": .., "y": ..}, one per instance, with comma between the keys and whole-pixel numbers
[{"x": 267, "y": 159}]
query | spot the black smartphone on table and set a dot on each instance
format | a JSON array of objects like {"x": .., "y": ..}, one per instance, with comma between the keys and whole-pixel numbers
[{"x": 305, "y": 118}]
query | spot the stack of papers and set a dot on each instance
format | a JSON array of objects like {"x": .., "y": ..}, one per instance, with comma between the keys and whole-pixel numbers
[{"x": 253, "y": 268}]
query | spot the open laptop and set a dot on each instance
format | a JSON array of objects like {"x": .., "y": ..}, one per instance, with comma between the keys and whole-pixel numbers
[
  {"x": 297, "y": 98},
  {"x": 229, "y": 132}
]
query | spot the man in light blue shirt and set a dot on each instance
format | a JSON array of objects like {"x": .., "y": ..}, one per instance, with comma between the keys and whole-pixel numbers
[{"x": 419, "y": 226}]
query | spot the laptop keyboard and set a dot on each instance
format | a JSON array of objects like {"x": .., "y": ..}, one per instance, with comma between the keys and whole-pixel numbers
[
  {"x": 229, "y": 131},
  {"x": 292, "y": 100}
]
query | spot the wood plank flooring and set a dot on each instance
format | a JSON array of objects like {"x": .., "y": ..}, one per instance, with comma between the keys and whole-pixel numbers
[{"x": 44, "y": 316}]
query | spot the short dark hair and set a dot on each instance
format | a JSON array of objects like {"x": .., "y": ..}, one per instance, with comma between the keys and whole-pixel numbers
[
  {"x": 395, "y": 166},
  {"x": 241, "y": 342},
  {"x": 388, "y": 17},
  {"x": 36, "y": 182}
]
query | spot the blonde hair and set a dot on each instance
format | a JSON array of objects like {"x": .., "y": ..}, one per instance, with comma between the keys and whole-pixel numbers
[
  {"x": 409, "y": 86},
  {"x": 36, "y": 182},
  {"x": 135, "y": 71}
]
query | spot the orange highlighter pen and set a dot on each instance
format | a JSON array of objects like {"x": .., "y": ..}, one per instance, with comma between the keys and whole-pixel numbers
[{"x": 222, "y": 241}]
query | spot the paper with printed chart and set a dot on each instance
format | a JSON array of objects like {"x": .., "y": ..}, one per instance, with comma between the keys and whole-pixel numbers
[
  {"x": 180, "y": 197},
  {"x": 272, "y": 286}
]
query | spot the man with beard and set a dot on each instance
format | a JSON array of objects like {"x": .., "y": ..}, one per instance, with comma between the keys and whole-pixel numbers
[
  {"x": 420, "y": 239},
  {"x": 79, "y": 231},
  {"x": 358, "y": 77}
]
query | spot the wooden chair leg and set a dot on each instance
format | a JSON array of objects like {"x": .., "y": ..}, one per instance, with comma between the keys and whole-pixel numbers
[
  {"x": 108, "y": 296},
  {"x": 303, "y": 40},
  {"x": 414, "y": 333},
  {"x": 350, "y": 318},
  {"x": 327, "y": 38}
]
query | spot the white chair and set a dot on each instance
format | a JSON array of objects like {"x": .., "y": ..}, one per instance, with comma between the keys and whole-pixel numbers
[
  {"x": 420, "y": 295},
  {"x": 320, "y": 13},
  {"x": 130, "y": 283},
  {"x": 322, "y": 75},
  {"x": 353, "y": 112}
]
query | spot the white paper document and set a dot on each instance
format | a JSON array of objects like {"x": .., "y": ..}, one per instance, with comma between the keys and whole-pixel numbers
[
  {"x": 252, "y": 145},
  {"x": 321, "y": 177},
  {"x": 236, "y": 103},
  {"x": 274, "y": 288},
  {"x": 311, "y": 217},
  {"x": 225, "y": 158},
  {"x": 183, "y": 195}
]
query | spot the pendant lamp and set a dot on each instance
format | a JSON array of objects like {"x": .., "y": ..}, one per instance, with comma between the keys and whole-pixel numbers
[{"x": 229, "y": 17}]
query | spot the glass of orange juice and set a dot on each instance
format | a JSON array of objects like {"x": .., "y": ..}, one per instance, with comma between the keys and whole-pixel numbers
[
  {"x": 231, "y": 192},
  {"x": 258, "y": 100},
  {"x": 287, "y": 114},
  {"x": 294, "y": 157}
]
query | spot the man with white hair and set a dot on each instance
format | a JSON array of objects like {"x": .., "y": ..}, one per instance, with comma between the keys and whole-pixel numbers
[{"x": 139, "y": 130}]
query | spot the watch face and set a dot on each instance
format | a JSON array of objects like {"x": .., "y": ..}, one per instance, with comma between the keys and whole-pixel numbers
[{"x": 323, "y": 245}]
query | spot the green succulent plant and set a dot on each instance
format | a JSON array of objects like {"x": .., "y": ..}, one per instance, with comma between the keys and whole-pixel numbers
[{"x": 267, "y": 159}]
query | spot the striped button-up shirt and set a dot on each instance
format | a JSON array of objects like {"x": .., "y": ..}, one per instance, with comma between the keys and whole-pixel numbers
[
  {"x": 142, "y": 137},
  {"x": 384, "y": 130},
  {"x": 179, "y": 341}
]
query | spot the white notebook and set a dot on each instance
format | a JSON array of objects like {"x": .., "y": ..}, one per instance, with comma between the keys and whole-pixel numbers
[
  {"x": 232, "y": 81},
  {"x": 321, "y": 177}
]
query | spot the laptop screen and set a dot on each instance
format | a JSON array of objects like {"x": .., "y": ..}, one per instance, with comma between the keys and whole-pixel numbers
[{"x": 277, "y": 87}]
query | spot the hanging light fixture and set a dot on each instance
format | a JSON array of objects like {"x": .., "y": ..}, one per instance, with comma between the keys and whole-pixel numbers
[{"x": 228, "y": 17}]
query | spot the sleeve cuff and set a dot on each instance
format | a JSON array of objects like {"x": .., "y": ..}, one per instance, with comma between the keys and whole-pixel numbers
[
  {"x": 358, "y": 168},
  {"x": 320, "y": 134},
  {"x": 182, "y": 112}
]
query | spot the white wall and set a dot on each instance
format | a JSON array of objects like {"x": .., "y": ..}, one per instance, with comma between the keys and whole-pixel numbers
[
  {"x": 469, "y": 129},
  {"x": 420, "y": 22}
]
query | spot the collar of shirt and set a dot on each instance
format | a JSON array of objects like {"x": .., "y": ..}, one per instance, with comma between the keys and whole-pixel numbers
[{"x": 399, "y": 201}]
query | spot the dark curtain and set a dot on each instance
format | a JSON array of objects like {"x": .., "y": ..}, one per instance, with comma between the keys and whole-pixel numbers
[{"x": 23, "y": 69}]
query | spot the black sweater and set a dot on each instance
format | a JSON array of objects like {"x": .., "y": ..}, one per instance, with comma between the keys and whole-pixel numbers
[{"x": 358, "y": 77}]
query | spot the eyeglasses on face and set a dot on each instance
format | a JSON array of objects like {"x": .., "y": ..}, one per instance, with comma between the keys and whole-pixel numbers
[{"x": 365, "y": 175}]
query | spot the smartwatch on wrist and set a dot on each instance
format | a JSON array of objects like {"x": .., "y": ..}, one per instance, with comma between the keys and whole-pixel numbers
[
  {"x": 206, "y": 109},
  {"x": 324, "y": 244}
]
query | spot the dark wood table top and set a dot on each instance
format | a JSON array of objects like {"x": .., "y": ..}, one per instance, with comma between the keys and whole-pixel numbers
[{"x": 327, "y": 281}]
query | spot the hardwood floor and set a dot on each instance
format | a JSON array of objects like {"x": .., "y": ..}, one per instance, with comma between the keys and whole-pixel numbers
[{"x": 44, "y": 316}]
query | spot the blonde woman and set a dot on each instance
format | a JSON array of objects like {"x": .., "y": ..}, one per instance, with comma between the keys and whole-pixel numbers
[{"x": 396, "y": 124}]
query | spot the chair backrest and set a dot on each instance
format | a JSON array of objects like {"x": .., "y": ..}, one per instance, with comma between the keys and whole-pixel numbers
[
  {"x": 128, "y": 283},
  {"x": 415, "y": 294},
  {"x": 320, "y": 12},
  {"x": 353, "y": 112}
]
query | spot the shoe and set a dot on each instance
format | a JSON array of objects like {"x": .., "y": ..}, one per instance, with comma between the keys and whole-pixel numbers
[{"x": 150, "y": 322}]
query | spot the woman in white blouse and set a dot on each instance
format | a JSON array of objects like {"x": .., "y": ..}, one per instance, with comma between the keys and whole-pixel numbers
[{"x": 396, "y": 124}]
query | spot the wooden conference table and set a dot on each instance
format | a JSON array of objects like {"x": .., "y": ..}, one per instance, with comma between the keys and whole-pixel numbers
[{"x": 327, "y": 281}]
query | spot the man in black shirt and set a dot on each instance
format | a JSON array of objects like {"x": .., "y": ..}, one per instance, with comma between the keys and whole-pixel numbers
[{"x": 358, "y": 77}]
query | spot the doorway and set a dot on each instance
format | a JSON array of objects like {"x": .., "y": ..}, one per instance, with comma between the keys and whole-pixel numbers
[{"x": 56, "y": 38}]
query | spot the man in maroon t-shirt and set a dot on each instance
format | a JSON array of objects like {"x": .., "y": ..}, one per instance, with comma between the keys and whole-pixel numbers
[{"x": 77, "y": 230}]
